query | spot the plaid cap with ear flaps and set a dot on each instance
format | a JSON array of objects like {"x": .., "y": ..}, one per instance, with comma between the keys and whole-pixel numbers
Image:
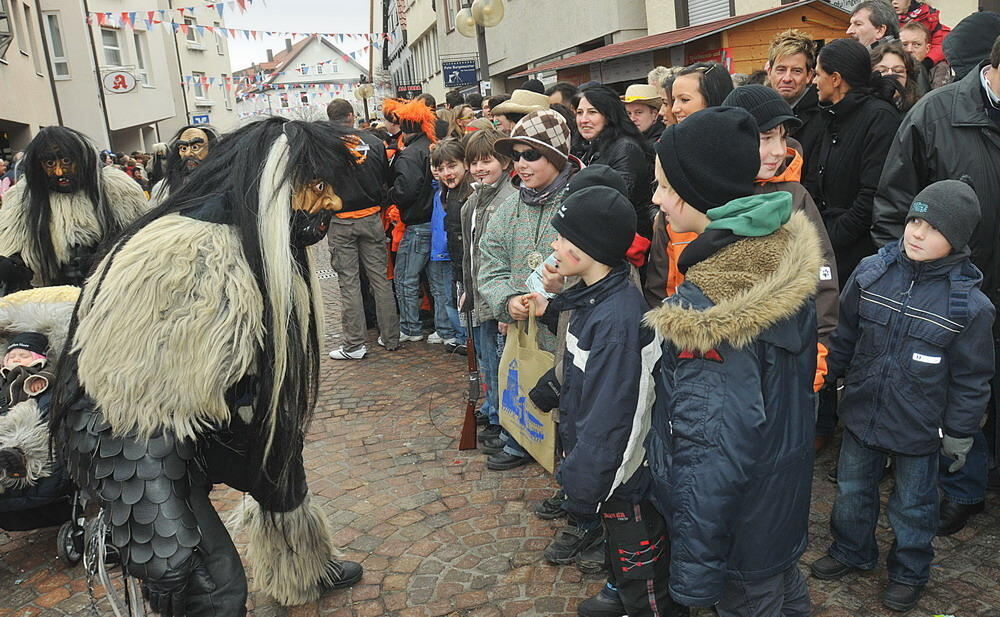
[{"x": 545, "y": 130}]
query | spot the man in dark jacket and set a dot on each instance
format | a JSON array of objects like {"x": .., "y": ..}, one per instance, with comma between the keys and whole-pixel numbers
[
  {"x": 731, "y": 448},
  {"x": 412, "y": 192},
  {"x": 357, "y": 240},
  {"x": 952, "y": 131},
  {"x": 791, "y": 65}
]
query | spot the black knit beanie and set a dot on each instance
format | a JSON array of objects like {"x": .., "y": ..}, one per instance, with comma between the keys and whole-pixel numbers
[
  {"x": 765, "y": 105},
  {"x": 952, "y": 207},
  {"x": 31, "y": 341},
  {"x": 600, "y": 221},
  {"x": 712, "y": 157},
  {"x": 597, "y": 175}
]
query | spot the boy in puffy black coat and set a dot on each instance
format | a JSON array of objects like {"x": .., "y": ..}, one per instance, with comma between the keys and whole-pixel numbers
[
  {"x": 915, "y": 346},
  {"x": 606, "y": 401}
]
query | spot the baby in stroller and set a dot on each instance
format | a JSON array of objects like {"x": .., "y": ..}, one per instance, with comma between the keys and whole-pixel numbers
[{"x": 35, "y": 491}]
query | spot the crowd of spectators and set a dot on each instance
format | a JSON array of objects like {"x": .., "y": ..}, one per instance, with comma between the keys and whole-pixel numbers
[{"x": 873, "y": 159}]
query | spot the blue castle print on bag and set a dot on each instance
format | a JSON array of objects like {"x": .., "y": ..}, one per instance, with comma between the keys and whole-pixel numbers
[{"x": 514, "y": 404}]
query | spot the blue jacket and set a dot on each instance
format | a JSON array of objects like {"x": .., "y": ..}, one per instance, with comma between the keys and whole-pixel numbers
[
  {"x": 731, "y": 448},
  {"x": 915, "y": 344},
  {"x": 439, "y": 235},
  {"x": 607, "y": 393}
]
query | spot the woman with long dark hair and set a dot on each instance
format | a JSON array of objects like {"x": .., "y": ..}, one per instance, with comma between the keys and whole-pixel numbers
[
  {"x": 860, "y": 119},
  {"x": 610, "y": 138},
  {"x": 891, "y": 60}
]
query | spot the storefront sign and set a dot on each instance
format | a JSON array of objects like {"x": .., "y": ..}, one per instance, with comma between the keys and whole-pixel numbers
[
  {"x": 118, "y": 82},
  {"x": 459, "y": 73},
  {"x": 408, "y": 91}
]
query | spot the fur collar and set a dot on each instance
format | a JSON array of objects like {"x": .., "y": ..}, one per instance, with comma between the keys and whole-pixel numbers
[{"x": 748, "y": 287}]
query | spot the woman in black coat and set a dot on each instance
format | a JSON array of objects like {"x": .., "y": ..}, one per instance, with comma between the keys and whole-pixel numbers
[
  {"x": 859, "y": 122},
  {"x": 611, "y": 139}
]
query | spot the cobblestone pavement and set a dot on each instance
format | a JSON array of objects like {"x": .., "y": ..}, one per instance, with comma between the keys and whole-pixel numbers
[{"x": 439, "y": 534}]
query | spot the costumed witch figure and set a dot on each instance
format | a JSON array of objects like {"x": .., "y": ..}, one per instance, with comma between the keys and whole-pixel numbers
[
  {"x": 186, "y": 152},
  {"x": 64, "y": 208},
  {"x": 193, "y": 359}
]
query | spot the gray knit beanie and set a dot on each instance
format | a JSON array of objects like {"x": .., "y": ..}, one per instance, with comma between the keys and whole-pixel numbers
[{"x": 952, "y": 207}]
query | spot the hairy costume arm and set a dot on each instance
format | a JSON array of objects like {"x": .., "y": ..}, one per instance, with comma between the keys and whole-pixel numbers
[{"x": 24, "y": 432}]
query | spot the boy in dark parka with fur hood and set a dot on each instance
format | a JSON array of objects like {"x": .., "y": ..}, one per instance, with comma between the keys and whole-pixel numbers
[{"x": 732, "y": 442}]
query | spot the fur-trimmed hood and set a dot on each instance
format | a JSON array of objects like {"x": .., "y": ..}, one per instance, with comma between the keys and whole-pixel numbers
[{"x": 743, "y": 289}]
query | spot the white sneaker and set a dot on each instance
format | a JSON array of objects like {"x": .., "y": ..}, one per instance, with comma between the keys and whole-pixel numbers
[
  {"x": 452, "y": 341},
  {"x": 410, "y": 338},
  {"x": 381, "y": 343},
  {"x": 357, "y": 354},
  {"x": 434, "y": 339}
]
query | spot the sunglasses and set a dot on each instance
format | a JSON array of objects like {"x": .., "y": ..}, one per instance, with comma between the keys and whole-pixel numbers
[{"x": 529, "y": 155}]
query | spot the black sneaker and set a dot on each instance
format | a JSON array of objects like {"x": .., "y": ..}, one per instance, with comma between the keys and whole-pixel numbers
[
  {"x": 607, "y": 603},
  {"x": 459, "y": 348},
  {"x": 591, "y": 560},
  {"x": 551, "y": 508},
  {"x": 492, "y": 431},
  {"x": 481, "y": 418},
  {"x": 570, "y": 541},
  {"x": 340, "y": 574},
  {"x": 900, "y": 597}
]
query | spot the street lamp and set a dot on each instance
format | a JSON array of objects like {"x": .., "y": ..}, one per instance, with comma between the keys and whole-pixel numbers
[{"x": 473, "y": 20}]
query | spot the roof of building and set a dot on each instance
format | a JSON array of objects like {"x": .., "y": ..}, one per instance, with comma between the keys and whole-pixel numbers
[{"x": 663, "y": 40}]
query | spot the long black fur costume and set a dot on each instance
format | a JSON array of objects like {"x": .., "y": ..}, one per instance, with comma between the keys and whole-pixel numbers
[
  {"x": 49, "y": 237},
  {"x": 212, "y": 309}
]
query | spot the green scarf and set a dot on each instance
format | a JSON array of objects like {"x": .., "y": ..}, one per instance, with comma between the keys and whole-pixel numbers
[{"x": 756, "y": 215}]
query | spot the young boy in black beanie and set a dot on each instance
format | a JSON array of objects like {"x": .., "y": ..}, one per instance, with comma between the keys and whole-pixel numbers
[
  {"x": 606, "y": 399},
  {"x": 731, "y": 448},
  {"x": 914, "y": 343}
]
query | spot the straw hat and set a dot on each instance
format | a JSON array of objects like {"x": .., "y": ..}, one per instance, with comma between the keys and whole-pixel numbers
[
  {"x": 643, "y": 93},
  {"x": 522, "y": 102}
]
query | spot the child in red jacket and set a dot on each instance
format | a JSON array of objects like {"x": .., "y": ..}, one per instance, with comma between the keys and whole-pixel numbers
[{"x": 930, "y": 18}]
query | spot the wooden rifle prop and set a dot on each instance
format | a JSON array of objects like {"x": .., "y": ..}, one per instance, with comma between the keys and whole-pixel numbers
[{"x": 468, "y": 440}]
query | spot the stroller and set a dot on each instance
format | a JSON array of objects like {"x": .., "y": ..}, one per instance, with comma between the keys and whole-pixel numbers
[{"x": 45, "y": 496}]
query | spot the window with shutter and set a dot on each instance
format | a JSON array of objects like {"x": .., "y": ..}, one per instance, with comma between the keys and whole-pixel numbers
[{"x": 704, "y": 11}]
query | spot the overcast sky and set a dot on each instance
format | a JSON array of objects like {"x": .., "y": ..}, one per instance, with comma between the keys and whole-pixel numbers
[{"x": 296, "y": 16}]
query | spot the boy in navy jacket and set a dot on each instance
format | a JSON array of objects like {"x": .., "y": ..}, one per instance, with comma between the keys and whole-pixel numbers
[
  {"x": 606, "y": 400},
  {"x": 915, "y": 344}
]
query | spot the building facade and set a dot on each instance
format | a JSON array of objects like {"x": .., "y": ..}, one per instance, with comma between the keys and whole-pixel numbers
[
  {"x": 116, "y": 74},
  {"x": 299, "y": 81},
  {"x": 535, "y": 35}
]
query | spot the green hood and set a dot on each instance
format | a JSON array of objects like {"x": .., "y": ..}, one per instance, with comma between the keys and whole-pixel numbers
[{"x": 756, "y": 215}]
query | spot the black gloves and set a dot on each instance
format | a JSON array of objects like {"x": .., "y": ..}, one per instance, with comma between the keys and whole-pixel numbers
[
  {"x": 12, "y": 461},
  {"x": 168, "y": 595},
  {"x": 14, "y": 274},
  {"x": 545, "y": 394}
]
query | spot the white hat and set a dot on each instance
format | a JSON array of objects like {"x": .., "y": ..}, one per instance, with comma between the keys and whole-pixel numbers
[
  {"x": 522, "y": 102},
  {"x": 643, "y": 93}
]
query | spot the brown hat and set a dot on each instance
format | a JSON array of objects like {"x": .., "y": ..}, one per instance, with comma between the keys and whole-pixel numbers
[
  {"x": 546, "y": 131},
  {"x": 522, "y": 102},
  {"x": 643, "y": 93}
]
